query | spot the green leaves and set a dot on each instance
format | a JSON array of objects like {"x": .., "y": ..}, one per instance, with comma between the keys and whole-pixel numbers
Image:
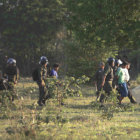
[
  {"x": 29, "y": 26},
  {"x": 69, "y": 86},
  {"x": 101, "y": 29}
]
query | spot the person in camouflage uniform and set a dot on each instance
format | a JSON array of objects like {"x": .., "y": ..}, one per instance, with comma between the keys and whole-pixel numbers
[
  {"x": 98, "y": 78},
  {"x": 108, "y": 78},
  {"x": 12, "y": 74},
  {"x": 42, "y": 75}
]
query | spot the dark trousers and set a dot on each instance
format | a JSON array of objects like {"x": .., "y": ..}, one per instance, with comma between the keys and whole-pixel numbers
[
  {"x": 131, "y": 98},
  {"x": 98, "y": 92},
  {"x": 42, "y": 94},
  {"x": 107, "y": 88},
  {"x": 11, "y": 88}
]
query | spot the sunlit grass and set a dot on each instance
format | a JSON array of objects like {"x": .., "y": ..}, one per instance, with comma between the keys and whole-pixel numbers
[{"x": 77, "y": 119}]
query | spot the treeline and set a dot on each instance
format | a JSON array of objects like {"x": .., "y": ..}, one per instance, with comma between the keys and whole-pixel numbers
[{"x": 76, "y": 34}]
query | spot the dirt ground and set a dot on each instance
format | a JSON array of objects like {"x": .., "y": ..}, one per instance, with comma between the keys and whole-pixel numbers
[{"x": 136, "y": 93}]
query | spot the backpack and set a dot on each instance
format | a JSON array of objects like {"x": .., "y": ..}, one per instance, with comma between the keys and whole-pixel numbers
[{"x": 35, "y": 75}]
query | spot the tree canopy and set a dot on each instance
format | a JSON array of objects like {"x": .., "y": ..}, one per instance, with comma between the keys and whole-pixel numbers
[{"x": 77, "y": 33}]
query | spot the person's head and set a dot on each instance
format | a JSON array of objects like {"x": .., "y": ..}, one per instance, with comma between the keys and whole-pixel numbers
[
  {"x": 118, "y": 62},
  {"x": 43, "y": 61},
  {"x": 11, "y": 62},
  {"x": 124, "y": 65},
  {"x": 56, "y": 67},
  {"x": 128, "y": 66},
  {"x": 111, "y": 61},
  {"x": 5, "y": 57},
  {"x": 102, "y": 65}
]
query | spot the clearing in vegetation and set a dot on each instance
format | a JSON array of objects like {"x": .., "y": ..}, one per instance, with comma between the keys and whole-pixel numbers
[{"x": 80, "y": 118}]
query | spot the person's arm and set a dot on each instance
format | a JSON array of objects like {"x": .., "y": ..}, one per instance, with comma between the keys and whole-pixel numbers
[
  {"x": 40, "y": 80},
  {"x": 118, "y": 73},
  {"x": 127, "y": 75},
  {"x": 103, "y": 82},
  {"x": 95, "y": 78},
  {"x": 106, "y": 71},
  {"x": 17, "y": 74}
]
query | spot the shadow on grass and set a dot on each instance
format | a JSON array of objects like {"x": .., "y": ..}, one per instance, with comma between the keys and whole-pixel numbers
[
  {"x": 79, "y": 118},
  {"x": 79, "y": 106},
  {"x": 88, "y": 95}
]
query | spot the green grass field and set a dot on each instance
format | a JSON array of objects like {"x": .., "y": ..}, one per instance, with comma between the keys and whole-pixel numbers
[{"x": 76, "y": 120}]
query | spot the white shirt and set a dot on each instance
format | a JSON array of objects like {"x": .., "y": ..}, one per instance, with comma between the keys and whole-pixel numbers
[{"x": 126, "y": 75}]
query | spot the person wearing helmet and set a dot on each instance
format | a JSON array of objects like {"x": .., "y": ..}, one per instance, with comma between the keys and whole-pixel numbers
[
  {"x": 42, "y": 74},
  {"x": 118, "y": 62},
  {"x": 98, "y": 78},
  {"x": 107, "y": 78},
  {"x": 12, "y": 74}
]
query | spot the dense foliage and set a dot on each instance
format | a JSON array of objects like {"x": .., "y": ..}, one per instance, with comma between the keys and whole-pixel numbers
[
  {"x": 102, "y": 29},
  {"x": 28, "y": 28},
  {"x": 77, "y": 34}
]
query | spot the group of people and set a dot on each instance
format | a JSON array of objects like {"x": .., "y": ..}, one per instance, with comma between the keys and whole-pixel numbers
[
  {"x": 41, "y": 74},
  {"x": 10, "y": 75},
  {"x": 114, "y": 75},
  {"x": 9, "y": 78}
]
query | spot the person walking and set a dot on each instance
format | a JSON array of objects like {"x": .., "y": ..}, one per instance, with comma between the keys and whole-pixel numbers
[
  {"x": 98, "y": 78},
  {"x": 12, "y": 74},
  {"x": 122, "y": 84},
  {"x": 107, "y": 78},
  {"x": 118, "y": 62},
  {"x": 127, "y": 79},
  {"x": 41, "y": 76}
]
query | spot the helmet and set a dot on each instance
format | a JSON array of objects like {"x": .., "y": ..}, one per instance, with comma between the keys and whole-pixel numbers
[
  {"x": 11, "y": 61},
  {"x": 43, "y": 60},
  {"x": 110, "y": 60},
  {"x": 118, "y": 62}
]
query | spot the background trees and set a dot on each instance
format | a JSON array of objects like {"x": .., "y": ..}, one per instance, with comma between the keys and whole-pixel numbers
[
  {"x": 28, "y": 29},
  {"x": 103, "y": 29},
  {"x": 78, "y": 34}
]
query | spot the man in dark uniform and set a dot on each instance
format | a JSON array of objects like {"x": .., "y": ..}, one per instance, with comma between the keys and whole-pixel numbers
[
  {"x": 107, "y": 78},
  {"x": 12, "y": 73},
  {"x": 98, "y": 78},
  {"x": 42, "y": 75}
]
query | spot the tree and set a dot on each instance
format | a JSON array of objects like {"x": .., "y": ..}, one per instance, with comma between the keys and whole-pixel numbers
[
  {"x": 102, "y": 28},
  {"x": 28, "y": 27}
]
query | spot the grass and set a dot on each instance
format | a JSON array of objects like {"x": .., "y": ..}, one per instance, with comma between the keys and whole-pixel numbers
[{"x": 76, "y": 120}]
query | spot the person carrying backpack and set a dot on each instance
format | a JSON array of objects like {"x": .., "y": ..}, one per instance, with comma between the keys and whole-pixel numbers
[{"x": 41, "y": 75}]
